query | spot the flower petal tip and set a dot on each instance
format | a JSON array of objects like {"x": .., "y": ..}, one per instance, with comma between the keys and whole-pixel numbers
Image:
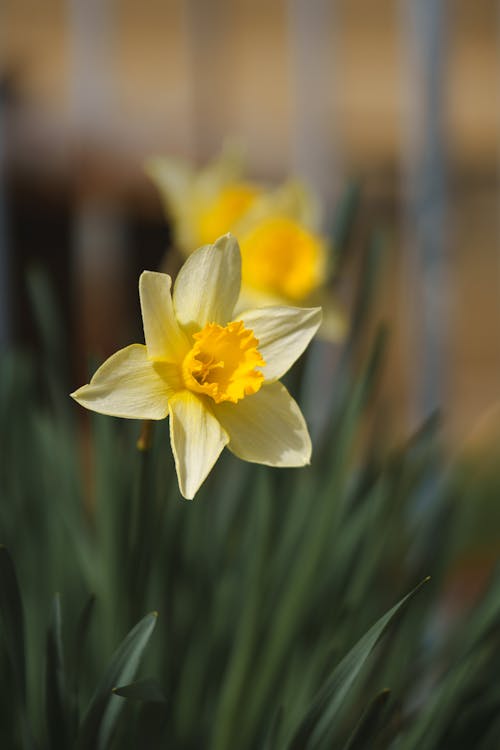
[
  {"x": 227, "y": 242},
  {"x": 76, "y": 395},
  {"x": 152, "y": 274},
  {"x": 317, "y": 311},
  {"x": 307, "y": 456}
]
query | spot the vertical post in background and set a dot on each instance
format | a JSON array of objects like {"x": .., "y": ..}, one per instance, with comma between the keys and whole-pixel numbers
[
  {"x": 206, "y": 29},
  {"x": 91, "y": 90},
  {"x": 497, "y": 109},
  {"x": 4, "y": 254},
  {"x": 426, "y": 283},
  {"x": 315, "y": 156},
  {"x": 98, "y": 232},
  {"x": 312, "y": 31}
]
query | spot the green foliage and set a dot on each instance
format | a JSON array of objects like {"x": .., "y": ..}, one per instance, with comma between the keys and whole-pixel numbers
[
  {"x": 290, "y": 611},
  {"x": 102, "y": 714}
]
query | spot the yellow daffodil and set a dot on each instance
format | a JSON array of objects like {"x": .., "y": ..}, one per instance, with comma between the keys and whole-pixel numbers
[
  {"x": 203, "y": 204},
  {"x": 214, "y": 373},
  {"x": 284, "y": 258}
]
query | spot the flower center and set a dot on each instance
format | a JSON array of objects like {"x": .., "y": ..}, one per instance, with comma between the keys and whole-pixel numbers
[
  {"x": 221, "y": 214},
  {"x": 280, "y": 257},
  {"x": 223, "y": 361}
]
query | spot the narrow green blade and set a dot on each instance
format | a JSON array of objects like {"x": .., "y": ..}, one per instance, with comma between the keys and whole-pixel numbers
[
  {"x": 364, "y": 734},
  {"x": 104, "y": 709},
  {"x": 146, "y": 691},
  {"x": 55, "y": 683},
  {"x": 315, "y": 728},
  {"x": 12, "y": 619},
  {"x": 345, "y": 219}
]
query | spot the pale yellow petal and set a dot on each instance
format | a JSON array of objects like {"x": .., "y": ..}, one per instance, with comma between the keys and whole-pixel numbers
[
  {"x": 226, "y": 168},
  {"x": 208, "y": 285},
  {"x": 251, "y": 298},
  {"x": 197, "y": 440},
  {"x": 176, "y": 183},
  {"x": 283, "y": 333},
  {"x": 174, "y": 180},
  {"x": 266, "y": 428},
  {"x": 292, "y": 199},
  {"x": 300, "y": 203},
  {"x": 129, "y": 385},
  {"x": 165, "y": 340},
  {"x": 335, "y": 323}
]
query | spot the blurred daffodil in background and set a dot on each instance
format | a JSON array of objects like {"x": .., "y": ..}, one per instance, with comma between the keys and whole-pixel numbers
[
  {"x": 285, "y": 259},
  {"x": 215, "y": 373}
]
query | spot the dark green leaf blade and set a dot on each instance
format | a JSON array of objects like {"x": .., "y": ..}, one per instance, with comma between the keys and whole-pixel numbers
[
  {"x": 271, "y": 738},
  {"x": 55, "y": 683},
  {"x": 146, "y": 691},
  {"x": 82, "y": 630},
  {"x": 364, "y": 734},
  {"x": 12, "y": 619},
  {"x": 104, "y": 708},
  {"x": 314, "y": 729},
  {"x": 344, "y": 222}
]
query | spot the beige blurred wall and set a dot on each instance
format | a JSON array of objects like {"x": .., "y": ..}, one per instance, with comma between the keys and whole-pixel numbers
[
  {"x": 116, "y": 81},
  {"x": 176, "y": 87}
]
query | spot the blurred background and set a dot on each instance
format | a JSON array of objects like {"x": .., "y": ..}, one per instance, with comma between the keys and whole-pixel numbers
[{"x": 402, "y": 95}]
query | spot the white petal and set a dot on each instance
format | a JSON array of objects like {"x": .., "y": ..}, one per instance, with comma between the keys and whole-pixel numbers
[
  {"x": 266, "y": 428},
  {"x": 197, "y": 440},
  {"x": 283, "y": 333},
  {"x": 164, "y": 339},
  {"x": 208, "y": 284},
  {"x": 129, "y": 385}
]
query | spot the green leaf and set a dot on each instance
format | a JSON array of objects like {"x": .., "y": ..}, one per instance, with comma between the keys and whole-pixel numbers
[
  {"x": 46, "y": 313},
  {"x": 12, "y": 619},
  {"x": 104, "y": 709},
  {"x": 347, "y": 210},
  {"x": 146, "y": 691},
  {"x": 271, "y": 738},
  {"x": 318, "y": 724},
  {"x": 82, "y": 630},
  {"x": 365, "y": 732},
  {"x": 152, "y": 723},
  {"x": 440, "y": 708},
  {"x": 13, "y": 629},
  {"x": 246, "y": 630},
  {"x": 78, "y": 651},
  {"x": 55, "y": 683},
  {"x": 486, "y": 616},
  {"x": 368, "y": 283}
]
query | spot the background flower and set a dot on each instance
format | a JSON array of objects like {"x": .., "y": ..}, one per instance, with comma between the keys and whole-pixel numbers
[{"x": 285, "y": 258}]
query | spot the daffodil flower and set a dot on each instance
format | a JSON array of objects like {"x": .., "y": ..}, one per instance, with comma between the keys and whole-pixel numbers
[
  {"x": 284, "y": 257},
  {"x": 206, "y": 203},
  {"x": 214, "y": 374}
]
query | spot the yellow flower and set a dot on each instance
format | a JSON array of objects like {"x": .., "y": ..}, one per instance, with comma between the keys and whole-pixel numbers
[
  {"x": 202, "y": 204},
  {"x": 215, "y": 375},
  {"x": 284, "y": 256},
  {"x": 225, "y": 210},
  {"x": 282, "y": 259}
]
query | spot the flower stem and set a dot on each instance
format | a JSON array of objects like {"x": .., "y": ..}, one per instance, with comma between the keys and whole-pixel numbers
[{"x": 145, "y": 439}]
